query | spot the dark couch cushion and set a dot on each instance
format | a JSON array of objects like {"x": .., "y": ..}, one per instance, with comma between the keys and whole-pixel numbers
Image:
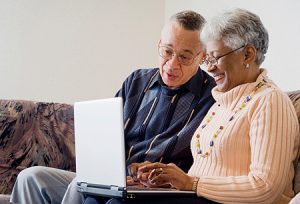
[{"x": 34, "y": 133}]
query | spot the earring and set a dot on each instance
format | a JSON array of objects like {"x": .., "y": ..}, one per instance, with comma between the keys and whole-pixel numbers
[{"x": 247, "y": 66}]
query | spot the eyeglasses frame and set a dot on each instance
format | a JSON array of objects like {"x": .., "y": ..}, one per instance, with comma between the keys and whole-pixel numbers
[
  {"x": 174, "y": 53},
  {"x": 207, "y": 62}
]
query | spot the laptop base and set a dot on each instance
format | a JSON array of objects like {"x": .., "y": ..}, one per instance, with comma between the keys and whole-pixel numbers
[{"x": 122, "y": 192}]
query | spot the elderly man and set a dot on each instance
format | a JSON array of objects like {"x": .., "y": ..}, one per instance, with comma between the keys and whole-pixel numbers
[{"x": 162, "y": 109}]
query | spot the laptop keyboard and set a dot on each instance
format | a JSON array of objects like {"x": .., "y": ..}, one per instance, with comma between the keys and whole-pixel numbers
[{"x": 144, "y": 188}]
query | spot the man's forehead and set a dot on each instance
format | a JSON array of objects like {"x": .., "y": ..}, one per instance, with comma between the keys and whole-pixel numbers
[{"x": 173, "y": 34}]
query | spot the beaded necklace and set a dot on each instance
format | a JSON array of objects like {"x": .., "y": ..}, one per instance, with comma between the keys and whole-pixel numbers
[{"x": 217, "y": 133}]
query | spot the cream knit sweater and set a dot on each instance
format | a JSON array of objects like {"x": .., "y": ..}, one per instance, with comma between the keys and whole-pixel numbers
[{"x": 251, "y": 158}]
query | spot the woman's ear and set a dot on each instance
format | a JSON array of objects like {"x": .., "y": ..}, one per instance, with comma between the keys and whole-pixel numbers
[{"x": 250, "y": 54}]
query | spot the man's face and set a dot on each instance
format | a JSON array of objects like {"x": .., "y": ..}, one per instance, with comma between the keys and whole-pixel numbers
[{"x": 184, "y": 44}]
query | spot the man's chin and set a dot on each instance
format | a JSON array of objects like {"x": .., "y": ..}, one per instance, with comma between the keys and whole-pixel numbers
[{"x": 169, "y": 83}]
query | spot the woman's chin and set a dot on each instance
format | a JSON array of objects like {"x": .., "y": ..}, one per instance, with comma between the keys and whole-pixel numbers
[{"x": 221, "y": 87}]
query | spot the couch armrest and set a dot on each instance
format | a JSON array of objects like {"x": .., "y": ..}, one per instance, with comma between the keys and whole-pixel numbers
[{"x": 34, "y": 133}]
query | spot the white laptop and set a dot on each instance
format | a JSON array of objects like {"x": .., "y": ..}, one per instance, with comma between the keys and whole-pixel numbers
[{"x": 100, "y": 151}]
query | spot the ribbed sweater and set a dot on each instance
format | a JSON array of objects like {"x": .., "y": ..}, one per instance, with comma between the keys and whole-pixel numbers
[{"x": 251, "y": 157}]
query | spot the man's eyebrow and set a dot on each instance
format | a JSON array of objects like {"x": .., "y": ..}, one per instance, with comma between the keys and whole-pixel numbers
[{"x": 184, "y": 50}]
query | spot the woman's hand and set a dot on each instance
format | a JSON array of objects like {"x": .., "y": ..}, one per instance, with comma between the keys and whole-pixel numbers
[{"x": 159, "y": 174}]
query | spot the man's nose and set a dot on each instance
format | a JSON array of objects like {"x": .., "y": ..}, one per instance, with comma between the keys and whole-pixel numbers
[{"x": 173, "y": 61}]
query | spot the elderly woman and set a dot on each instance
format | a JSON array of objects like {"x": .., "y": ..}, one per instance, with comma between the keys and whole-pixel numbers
[{"x": 244, "y": 150}]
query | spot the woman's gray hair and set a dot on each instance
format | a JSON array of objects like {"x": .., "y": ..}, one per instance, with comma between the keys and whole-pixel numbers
[{"x": 236, "y": 28}]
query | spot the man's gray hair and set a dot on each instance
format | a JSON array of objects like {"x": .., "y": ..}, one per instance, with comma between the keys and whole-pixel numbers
[
  {"x": 189, "y": 20},
  {"x": 236, "y": 28}
]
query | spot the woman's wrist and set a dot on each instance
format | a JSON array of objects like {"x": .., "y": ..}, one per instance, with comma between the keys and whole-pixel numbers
[
  {"x": 195, "y": 184},
  {"x": 192, "y": 183}
]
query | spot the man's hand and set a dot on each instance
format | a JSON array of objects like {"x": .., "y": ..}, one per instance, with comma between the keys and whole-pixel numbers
[
  {"x": 132, "y": 179},
  {"x": 131, "y": 182}
]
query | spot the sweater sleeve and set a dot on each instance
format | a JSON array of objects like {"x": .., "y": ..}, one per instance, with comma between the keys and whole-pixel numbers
[{"x": 273, "y": 129}]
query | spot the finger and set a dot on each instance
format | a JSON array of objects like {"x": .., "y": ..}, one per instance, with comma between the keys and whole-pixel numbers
[
  {"x": 159, "y": 180},
  {"x": 129, "y": 181},
  {"x": 156, "y": 172},
  {"x": 152, "y": 174},
  {"x": 143, "y": 176},
  {"x": 146, "y": 162},
  {"x": 129, "y": 169},
  {"x": 150, "y": 166},
  {"x": 159, "y": 170},
  {"x": 132, "y": 171},
  {"x": 145, "y": 168}
]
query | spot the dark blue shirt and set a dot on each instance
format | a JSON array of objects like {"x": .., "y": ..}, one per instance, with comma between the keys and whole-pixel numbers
[{"x": 159, "y": 121}]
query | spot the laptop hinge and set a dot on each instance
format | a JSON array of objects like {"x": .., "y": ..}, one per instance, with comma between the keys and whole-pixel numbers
[
  {"x": 114, "y": 188},
  {"x": 82, "y": 187}
]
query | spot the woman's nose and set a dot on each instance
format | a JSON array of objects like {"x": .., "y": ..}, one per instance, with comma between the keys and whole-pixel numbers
[{"x": 210, "y": 67}]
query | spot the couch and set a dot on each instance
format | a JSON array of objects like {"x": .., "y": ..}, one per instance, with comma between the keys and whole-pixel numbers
[
  {"x": 34, "y": 133},
  {"x": 38, "y": 133}
]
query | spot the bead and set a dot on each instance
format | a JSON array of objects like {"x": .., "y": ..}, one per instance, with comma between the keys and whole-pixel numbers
[
  {"x": 213, "y": 113},
  {"x": 231, "y": 118},
  {"x": 211, "y": 143},
  {"x": 203, "y": 126},
  {"x": 197, "y": 135},
  {"x": 215, "y": 135},
  {"x": 221, "y": 127}
]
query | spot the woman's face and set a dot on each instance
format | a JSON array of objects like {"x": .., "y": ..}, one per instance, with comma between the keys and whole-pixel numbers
[{"x": 230, "y": 70}]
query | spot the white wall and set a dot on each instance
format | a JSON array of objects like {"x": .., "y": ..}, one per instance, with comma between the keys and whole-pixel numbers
[
  {"x": 280, "y": 17},
  {"x": 72, "y": 50}
]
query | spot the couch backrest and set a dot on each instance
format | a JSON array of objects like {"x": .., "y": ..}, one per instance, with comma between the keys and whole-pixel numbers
[
  {"x": 37, "y": 133},
  {"x": 295, "y": 98}
]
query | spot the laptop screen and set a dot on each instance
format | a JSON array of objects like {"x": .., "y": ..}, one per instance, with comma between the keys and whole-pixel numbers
[{"x": 99, "y": 142}]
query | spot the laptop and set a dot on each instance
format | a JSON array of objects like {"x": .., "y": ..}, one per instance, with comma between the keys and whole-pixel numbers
[{"x": 100, "y": 152}]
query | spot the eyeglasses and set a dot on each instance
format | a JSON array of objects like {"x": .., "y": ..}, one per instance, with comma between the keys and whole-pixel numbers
[
  {"x": 184, "y": 58},
  {"x": 214, "y": 60}
]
